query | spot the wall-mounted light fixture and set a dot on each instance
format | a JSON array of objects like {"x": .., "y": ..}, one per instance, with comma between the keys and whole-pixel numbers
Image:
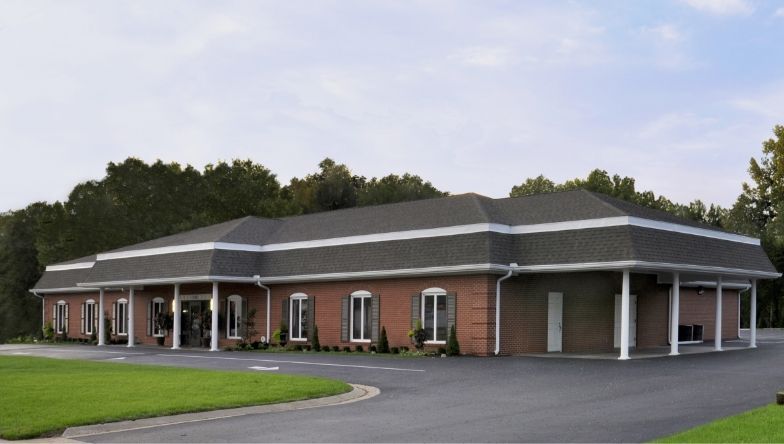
[{"x": 700, "y": 290}]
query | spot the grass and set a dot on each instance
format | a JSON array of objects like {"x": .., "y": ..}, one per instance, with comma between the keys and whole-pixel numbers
[
  {"x": 43, "y": 397},
  {"x": 765, "y": 424}
]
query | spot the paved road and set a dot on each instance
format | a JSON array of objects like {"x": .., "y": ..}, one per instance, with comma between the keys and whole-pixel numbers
[{"x": 478, "y": 399}]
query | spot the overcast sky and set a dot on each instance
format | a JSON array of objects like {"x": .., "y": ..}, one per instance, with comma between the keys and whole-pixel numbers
[{"x": 473, "y": 96}]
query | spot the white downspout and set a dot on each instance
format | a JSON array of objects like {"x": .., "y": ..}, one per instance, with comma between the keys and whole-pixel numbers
[
  {"x": 43, "y": 308},
  {"x": 258, "y": 282},
  {"x": 512, "y": 266}
]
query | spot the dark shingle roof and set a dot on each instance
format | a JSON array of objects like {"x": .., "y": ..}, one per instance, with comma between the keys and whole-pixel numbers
[{"x": 616, "y": 243}]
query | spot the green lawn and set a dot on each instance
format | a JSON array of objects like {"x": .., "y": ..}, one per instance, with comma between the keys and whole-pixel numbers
[
  {"x": 765, "y": 424},
  {"x": 42, "y": 397}
]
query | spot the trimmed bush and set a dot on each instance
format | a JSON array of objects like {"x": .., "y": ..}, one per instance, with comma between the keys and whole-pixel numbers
[
  {"x": 315, "y": 341},
  {"x": 298, "y": 348},
  {"x": 325, "y": 348},
  {"x": 383, "y": 342},
  {"x": 335, "y": 348},
  {"x": 404, "y": 349},
  {"x": 373, "y": 349},
  {"x": 347, "y": 349},
  {"x": 359, "y": 349},
  {"x": 394, "y": 350},
  {"x": 452, "y": 346},
  {"x": 441, "y": 351}
]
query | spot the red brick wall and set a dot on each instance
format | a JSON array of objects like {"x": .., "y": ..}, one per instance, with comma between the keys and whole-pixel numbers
[{"x": 701, "y": 309}]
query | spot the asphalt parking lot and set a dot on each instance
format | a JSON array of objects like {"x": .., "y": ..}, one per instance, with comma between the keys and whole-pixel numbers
[{"x": 474, "y": 399}]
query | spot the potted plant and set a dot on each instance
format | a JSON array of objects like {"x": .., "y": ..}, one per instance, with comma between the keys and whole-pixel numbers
[
  {"x": 163, "y": 323},
  {"x": 418, "y": 335},
  {"x": 284, "y": 334}
]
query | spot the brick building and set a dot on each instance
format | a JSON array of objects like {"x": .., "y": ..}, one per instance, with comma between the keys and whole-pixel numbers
[{"x": 573, "y": 271}]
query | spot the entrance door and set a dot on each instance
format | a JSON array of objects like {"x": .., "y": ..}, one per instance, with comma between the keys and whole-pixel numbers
[
  {"x": 554, "y": 322},
  {"x": 632, "y": 320},
  {"x": 193, "y": 313}
]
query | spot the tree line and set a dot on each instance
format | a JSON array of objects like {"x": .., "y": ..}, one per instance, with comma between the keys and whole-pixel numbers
[{"x": 136, "y": 201}]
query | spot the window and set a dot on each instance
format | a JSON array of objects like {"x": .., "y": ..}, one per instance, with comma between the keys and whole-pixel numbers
[
  {"x": 121, "y": 317},
  {"x": 60, "y": 315},
  {"x": 89, "y": 317},
  {"x": 434, "y": 314},
  {"x": 158, "y": 309},
  {"x": 360, "y": 316},
  {"x": 233, "y": 317},
  {"x": 299, "y": 317}
]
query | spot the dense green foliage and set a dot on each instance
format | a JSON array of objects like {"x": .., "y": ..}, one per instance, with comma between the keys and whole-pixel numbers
[
  {"x": 452, "y": 346},
  {"x": 39, "y": 397},
  {"x": 765, "y": 424},
  {"x": 136, "y": 202}
]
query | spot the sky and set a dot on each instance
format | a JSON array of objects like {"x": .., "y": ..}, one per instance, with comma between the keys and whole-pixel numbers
[{"x": 472, "y": 96}]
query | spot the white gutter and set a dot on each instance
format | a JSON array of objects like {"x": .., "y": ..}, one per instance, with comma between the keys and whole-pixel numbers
[
  {"x": 508, "y": 274},
  {"x": 258, "y": 282}
]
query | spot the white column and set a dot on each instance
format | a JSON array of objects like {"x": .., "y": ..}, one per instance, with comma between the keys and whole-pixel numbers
[
  {"x": 177, "y": 315},
  {"x": 676, "y": 310},
  {"x": 101, "y": 332},
  {"x": 625, "y": 317},
  {"x": 753, "y": 318},
  {"x": 131, "y": 338},
  {"x": 214, "y": 329},
  {"x": 717, "y": 338}
]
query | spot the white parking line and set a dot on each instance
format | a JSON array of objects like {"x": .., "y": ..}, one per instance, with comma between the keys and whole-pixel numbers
[
  {"x": 71, "y": 350},
  {"x": 292, "y": 362}
]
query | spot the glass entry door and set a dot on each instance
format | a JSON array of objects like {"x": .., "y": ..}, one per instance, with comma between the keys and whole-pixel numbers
[{"x": 194, "y": 327}]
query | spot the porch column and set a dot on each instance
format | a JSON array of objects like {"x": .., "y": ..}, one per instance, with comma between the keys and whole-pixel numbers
[
  {"x": 131, "y": 338},
  {"x": 101, "y": 332},
  {"x": 753, "y": 318},
  {"x": 717, "y": 338},
  {"x": 214, "y": 325},
  {"x": 675, "y": 316},
  {"x": 177, "y": 316},
  {"x": 625, "y": 316}
]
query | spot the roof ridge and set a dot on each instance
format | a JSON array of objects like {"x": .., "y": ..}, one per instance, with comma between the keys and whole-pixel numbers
[{"x": 594, "y": 196}]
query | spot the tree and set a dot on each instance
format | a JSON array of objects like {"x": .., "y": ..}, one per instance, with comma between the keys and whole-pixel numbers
[
  {"x": 452, "y": 346},
  {"x": 394, "y": 188},
  {"x": 536, "y": 185},
  {"x": 332, "y": 188},
  {"x": 383, "y": 342},
  {"x": 20, "y": 313}
]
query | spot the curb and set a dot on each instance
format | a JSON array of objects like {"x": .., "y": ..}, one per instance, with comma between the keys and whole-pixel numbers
[{"x": 359, "y": 393}]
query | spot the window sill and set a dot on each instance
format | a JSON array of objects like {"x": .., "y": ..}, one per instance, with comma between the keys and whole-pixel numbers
[
  {"x": 435, "y": 342},
  {"x": 362, "y": 341},
  {"x": 157, "y": 336},
  {"x": 299, "y": 339},
  {"x": 121, "y": 334},
  {"x": 233, "y": 337}
]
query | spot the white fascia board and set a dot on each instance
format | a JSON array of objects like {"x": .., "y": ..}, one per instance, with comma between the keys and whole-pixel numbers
[
  {"x": 64, "y": 290},
  {"x": 695, "y": 231},
  {"x": 569, "y": 225},
  {"x": 645, "y": 266},
  {"x": 76, "y": 266},
  {"x": 168, "y": 280},
  {"x": 178, "y": 249}
]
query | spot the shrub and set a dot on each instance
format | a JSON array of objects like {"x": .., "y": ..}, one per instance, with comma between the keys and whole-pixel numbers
[
  {"x": 107, "y": 328},
  {"x": 373, "y": 349},
  {"x": 48, "y": 331},
  {"x": 452, "y": 346},
  {"x": 404, "y": 349},
  {"x": 394, "y": 350},
  {"x": 315, "y": 340},
  {"x": 441, "y": 351},
  {"x": 347, "y": 349},
  {"x": 418, "y": 335},
  {"x": 325, "y": 348},
  {"x": 359, "y": 349},
  {"x": 298, "y": 348},
  {"x": 383, "y": 342},
  {"x": 335, "y": 348}
]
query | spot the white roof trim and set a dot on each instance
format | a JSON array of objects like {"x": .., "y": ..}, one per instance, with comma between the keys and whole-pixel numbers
[
  {"x": 645, "y": 266},
  {"x": 425, "y": 233},
  {"x": 75, "y": 266}
]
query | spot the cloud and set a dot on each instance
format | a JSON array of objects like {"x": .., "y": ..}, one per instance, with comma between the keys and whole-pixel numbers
[
  {"x": 779, "y": 12},
  {"x": 483, "y": 56},
  {"x": 722, "y": 7}
]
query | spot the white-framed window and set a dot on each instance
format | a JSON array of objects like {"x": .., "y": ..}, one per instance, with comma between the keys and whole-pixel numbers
[
  {"x": 298, "y": 308},
  {"x": 60, "y": 314},
  {"x": 158, "y": 308},
  {"x": 121, "y": 317},
  {"x": 233, "y": 316},
  {"x": 360, "y": 316},
  {"x": 90, "y": 312},
  {"x": 434, "y": 317}
]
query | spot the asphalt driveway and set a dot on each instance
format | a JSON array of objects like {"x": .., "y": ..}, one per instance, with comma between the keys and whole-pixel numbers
[{"x": 475, "y": 399}]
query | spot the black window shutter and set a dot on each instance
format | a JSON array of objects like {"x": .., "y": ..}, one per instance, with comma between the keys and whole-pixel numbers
[
  {"x": 81, "y": 322},
  {"x": 311, "y": 315},
  {"x": 65, "y": 328},
  {"x": 345, "y": 307},
  {"x": 375, "y": 307},
  {"x": 114, "y": 318},
  {"x": 451, "y": 311},
  {"x": 149, "y": 318},
  {"x": 243, "y": 317},
  {"x": 285, "y": 313},
  {"x": 415, "y": 308}
]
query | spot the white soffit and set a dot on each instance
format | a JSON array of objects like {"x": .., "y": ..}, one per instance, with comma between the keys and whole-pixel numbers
[{"x": 424, "y": 233}]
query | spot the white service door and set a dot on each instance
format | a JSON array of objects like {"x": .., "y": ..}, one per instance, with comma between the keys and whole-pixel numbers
[
  {"x": 554, "y": 322},
  {"x": 632, "y": 320}
]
